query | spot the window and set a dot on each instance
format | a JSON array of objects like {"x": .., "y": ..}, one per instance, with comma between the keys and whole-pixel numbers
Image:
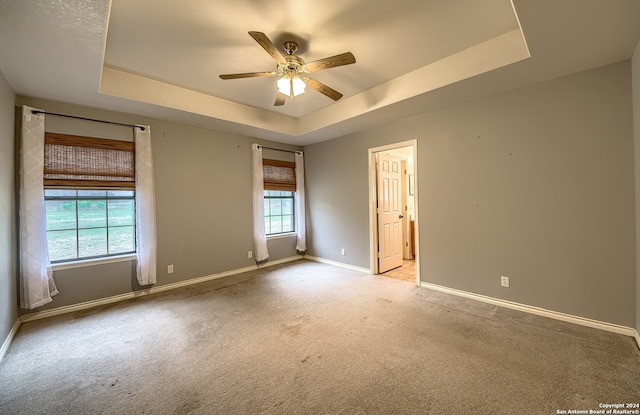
[
  {"x": 89, "y": 197},
  {"x": 279, "y": 190},
  {"x": 278, "y": 212},
  {"x": 85, "y": 224}
]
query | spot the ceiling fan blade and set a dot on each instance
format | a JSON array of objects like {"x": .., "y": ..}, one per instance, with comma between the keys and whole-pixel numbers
[
  {"x": 247, "y": 75},
  {"x": 264, "y": 41},
  {"x": 323, "y": 89},
  {"x": 331, "y": 62},
  {"x": 280, "y": 99}
]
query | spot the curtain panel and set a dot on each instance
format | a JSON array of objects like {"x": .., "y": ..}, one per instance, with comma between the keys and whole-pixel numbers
[
  {"x": 36, "y": 277},
  {"x": 301, "y": 240},
  {"x": 146, "y": 242},
  {"x": 257, "y": 185}
]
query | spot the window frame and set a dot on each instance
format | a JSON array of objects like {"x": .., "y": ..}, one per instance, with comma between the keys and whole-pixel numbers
[
  {"x": 93, "y": 259},
  {"x": 292, "y": 197}
]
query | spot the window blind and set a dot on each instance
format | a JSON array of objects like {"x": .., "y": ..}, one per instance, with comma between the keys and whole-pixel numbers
[
  {"x": 76, "y": 161},
  {"x": 279, "y": 175}
]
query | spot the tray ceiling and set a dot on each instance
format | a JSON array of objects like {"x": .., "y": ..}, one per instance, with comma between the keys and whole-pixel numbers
[{"x": 162, "y": 59}]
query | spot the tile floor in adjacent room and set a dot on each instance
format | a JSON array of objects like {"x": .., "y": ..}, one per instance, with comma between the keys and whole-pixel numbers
[{"x": 407, "y": 272}]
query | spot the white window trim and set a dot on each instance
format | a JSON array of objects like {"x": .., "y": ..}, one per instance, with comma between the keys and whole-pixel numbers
[
  {"x": 282, "y": 235},
  {"x": 93, "y": 261}
]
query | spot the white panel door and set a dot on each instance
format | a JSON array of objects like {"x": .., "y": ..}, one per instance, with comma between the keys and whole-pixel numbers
[{"x": 389, "y": 212}]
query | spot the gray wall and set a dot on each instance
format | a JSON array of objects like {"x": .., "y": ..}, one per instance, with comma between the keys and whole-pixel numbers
[
  {"x": 536, "y": 184},
  {"x": 545, "y": 195},
  {"x": 8, "y": 236},
  {"x": 203, "y": 204},
  {"x": 635, "y": 65}
]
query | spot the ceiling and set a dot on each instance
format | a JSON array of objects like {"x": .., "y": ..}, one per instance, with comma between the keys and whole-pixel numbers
[{"x": 162, "y": 59}]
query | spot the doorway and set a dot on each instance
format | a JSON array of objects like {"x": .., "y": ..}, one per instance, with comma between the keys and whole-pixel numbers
[{"x": 385, "y": 220}]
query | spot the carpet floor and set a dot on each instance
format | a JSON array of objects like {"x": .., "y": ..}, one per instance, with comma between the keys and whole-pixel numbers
[{"x": 310, "y": 338}]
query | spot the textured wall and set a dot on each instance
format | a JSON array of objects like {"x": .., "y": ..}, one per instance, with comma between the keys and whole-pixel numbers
[
  {"x": 8, "y": 237},
  {"x": 536, "y": 184},
  {"x": 203, "y": 204}
]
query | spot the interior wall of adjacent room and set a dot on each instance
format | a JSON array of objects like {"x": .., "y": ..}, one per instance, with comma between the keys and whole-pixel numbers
[
  {"x": 635, "y": 68},
  {"x": 203, "y": 203},
  {"x": 536, "y": 184},
  {"x": 8, "y": 236}
]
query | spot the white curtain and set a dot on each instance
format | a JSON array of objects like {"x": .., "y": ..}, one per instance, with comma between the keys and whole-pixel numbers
[
  {"x": 145, "y": 208},
  {"x": 36, "y": 277},
  {"x": 301, "y": 243},
  {"x": 259, "y": 236}
]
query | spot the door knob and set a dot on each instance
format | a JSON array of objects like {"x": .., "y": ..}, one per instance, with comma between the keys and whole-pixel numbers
[{"x": 401, "y": 216}]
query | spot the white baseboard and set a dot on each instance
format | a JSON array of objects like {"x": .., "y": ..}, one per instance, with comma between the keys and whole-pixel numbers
[
  {"x": 614, "y": 328},
  {"x": 338, "y": 264},
  {"x": 148, "y": 291},
  {"x": 9, "y": 339}
]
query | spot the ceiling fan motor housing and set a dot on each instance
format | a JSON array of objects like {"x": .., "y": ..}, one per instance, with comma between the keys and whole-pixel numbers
[{"x": 294, "y": 66}]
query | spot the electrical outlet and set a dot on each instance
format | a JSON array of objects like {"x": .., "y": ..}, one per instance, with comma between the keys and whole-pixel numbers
[
  {"x": 343, "y": 252},
  {"x": 504, "y": 281},
  {"x": 250, "y": 254},
  {"x": 170, "y": 269}
]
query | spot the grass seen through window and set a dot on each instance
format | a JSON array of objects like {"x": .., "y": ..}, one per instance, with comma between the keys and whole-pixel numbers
[
  {"x": 89, "y": 223},
  {"x": 278, "y": 212}
]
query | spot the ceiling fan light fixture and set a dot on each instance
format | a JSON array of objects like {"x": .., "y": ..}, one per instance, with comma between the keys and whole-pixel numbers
[
  {"x": 291, "y": 86},
  {"x": 289, "y": 68}
]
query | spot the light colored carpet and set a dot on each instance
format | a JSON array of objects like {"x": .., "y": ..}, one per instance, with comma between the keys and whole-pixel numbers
[{"x": 309, "y": 338}]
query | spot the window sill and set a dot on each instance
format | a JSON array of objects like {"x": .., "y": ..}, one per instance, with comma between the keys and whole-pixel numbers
[
  {"x": 90, "y": 262},
  {"x": 282, "y": 235}
]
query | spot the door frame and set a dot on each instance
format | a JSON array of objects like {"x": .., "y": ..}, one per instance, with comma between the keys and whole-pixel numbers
[{"x": 373, "y": 222}]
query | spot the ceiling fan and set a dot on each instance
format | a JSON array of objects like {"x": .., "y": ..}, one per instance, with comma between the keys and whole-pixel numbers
[{"x": 292, "y": 70}]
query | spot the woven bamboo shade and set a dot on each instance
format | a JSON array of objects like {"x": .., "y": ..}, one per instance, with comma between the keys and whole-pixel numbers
[
  {"x": 75, "y": 161},
  {"x": 279, "y": 175}
]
